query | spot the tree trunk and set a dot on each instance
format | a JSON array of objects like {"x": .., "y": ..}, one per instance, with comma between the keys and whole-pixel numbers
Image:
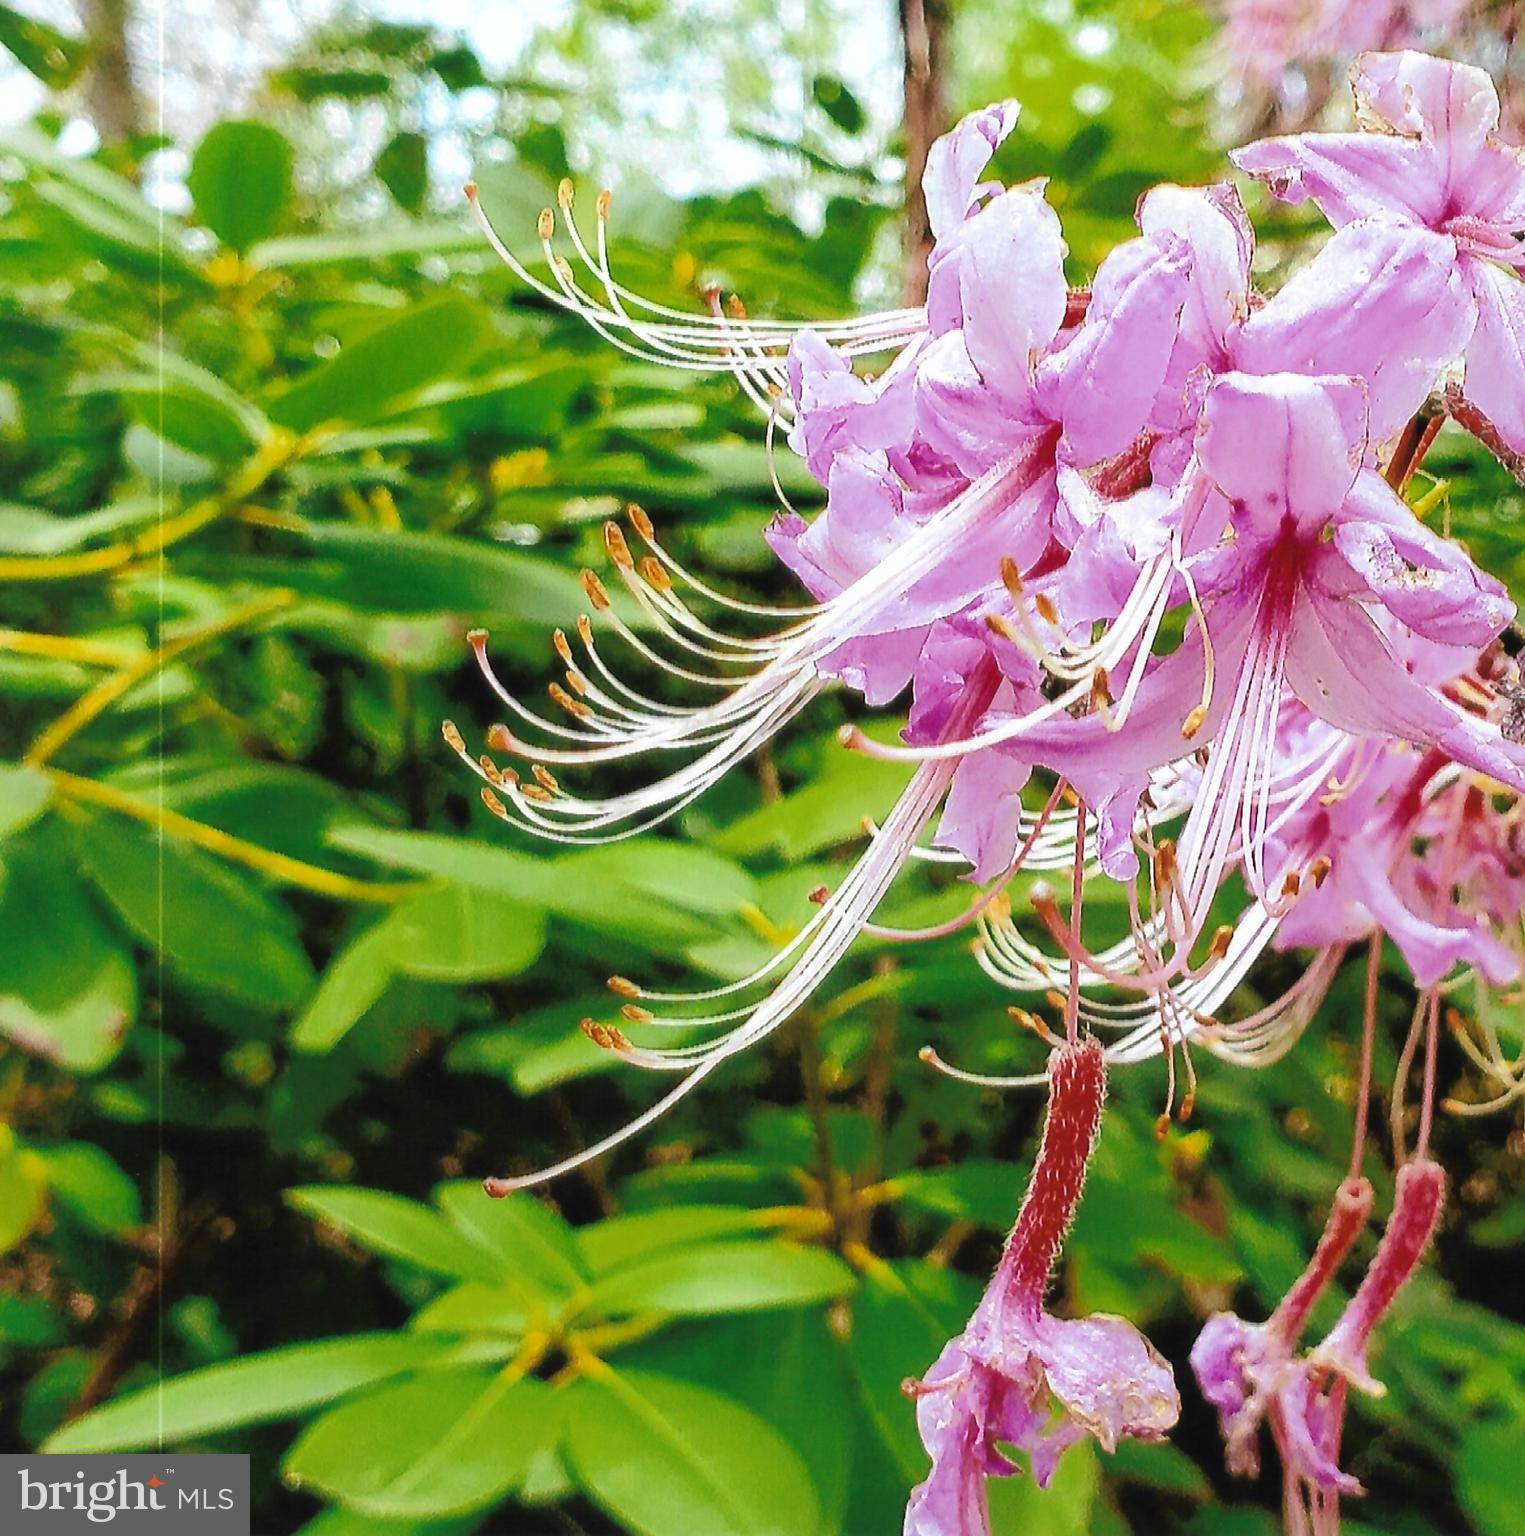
[
  {"x": 111, "y": 96},
  {"x": 924, "y": 27}
]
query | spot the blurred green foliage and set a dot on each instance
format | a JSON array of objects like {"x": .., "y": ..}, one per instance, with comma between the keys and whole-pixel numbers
[{"x": 275, "y": 991}]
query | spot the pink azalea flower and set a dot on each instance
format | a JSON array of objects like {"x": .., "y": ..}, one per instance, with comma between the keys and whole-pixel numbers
[
  {"x": 1432, "y": 161},
  {"x": 1018, "y": 1376},
  {"x": 1251, "y": 1374}
]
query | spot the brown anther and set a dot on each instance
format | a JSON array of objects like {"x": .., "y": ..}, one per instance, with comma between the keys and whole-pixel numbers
[
  {"x": 453, "y": 738},
  {"x": 563, "y": 646},
  {"x": 635, "y": 1015},
  {"x": 605, "y": 198},
  {"x": 1292, "y": 885},
  {"x": 736, "y": 309},
  {"x": 640, "y": 522},
  {"x": 598, "y": 594},
  {"x": 1011, "y": 577},
  {"x": 545, "y": 778},
  {"x": 565, "y": 191},
  {"x": 1318, "y": 870},
  {"x": 535, "y": 792},
  {"x": 619, "y": 550},
  {"x": 1193, "y": 722},
  {"x": 491, "y": 769},
  {"x": 1200, "y": 757},
  {"x": 595, "y": 1031},
  {"x": 850, "y": 736},
  {"x": 585, "y": 629},
  {"x": 577, "y": 682},
  {"x": 1166, "y": 869},
  {"x": 573, "y": 707},
  {"x": 651, "y": 569},
  {"x": 1221, "y": 941},
  {"x": 622, "y": 986},
  {"x": 1070, "y": 798},
  {"x": 500, "y": 739},
  {"x": 493, "y": 804},
  {"x": 476, "y": 638},
  {"x": 1162, "y": 1127},
  {"x": 926, "y": 1054},
  {"x": 1046, "y": 609},
  {"x": 545, "y": 226},
  {"x": 1188, "y": 1105},
  {"x": 1101, "y": 692},
  {"x": 998, "y": 624},
  {"x": 1054, "y": 999},
  {"x": 617, "y": 1039},
  {"x": 1025, "y": 1020},
  {"x": 819, "y": 894}
]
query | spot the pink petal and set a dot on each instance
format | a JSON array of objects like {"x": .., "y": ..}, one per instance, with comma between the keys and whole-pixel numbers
[
  {"x": 1495, "y": 381},
  {"x": 1382, "y": 302},
  {"x": 1283, "y": 447},
  {"x": 958, "y": 159}
]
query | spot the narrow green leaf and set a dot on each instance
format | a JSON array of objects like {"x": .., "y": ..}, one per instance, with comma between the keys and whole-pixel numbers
[
  {"x": 355, "y": 978},
  {"x": 444, "y": 1443},
  {"x": 668, "y": 1458},
  {"x": 620, "y": 1240},
  {"x": 24, "y": 795},
  {"x": 272, "y": 1385},
  {"x": 214, "y": 926},
  {"x": 742, "y": 1276},
  {"x": 451, "y": 933},
  {"x": 398, "y": 1228},
  {"x": 386, "y": 364}
]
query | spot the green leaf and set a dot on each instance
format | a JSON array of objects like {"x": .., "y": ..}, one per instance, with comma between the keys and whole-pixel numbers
[
  {"x": 396, "y": 359},
  {"x": 450, "y": 933},
  {"x": 216, "y": 927},
  {"x": 272, "y": 1385},
  {"x": 22, "y": 1183},
  {"x": 355, "y": 978},
  {"x": 473, "y": 1307},
  {"x": 398, "y": 1228},
  {"x": 1019, "y": 1507},
  {"x": 240, "y": 180},
  {"x": 367, "y": 246},
  {"x": 1487, "y": 1481},
  {"x": 444, "y": 1443},
  {"x": 91, "y": 1183},
  {"x": 24, "y": 795},
  {"x": 526, "y": 1239},
  {"x": 620, "y": 1239},
  {"x": 668, "y": 1458},
  {"x": 42, "y": 50},
  {"x": 902, "y": 1317},
  {"x": 741, "y": 1276},
  {"x": 67, "y": 991},
  {"x": 403, "y": 169}
]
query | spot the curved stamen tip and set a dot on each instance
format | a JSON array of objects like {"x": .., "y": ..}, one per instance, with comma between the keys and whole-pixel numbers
[
  {"x": 929, "y": 1056},
  {"x": 545, "y": 225},
  {"x": 619, "y": 550},
  {"x": 498, "y": 1189},
  {"x": 640, "y": 521},
  {"x": 477, "y": 640},
  {"x": 622, "y": 986},
  {"x": 469, "y": 192},
  {"x": 851, "y": 736},
  {"x": 494, "y": 804},
  {"x": 565, "y": 191},
  {"x": 1193, "y": 722},
  {"x": 453, "y": 738}
]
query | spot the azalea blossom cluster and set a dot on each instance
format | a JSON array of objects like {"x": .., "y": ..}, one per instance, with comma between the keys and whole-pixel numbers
[
  {"x": 1284, "y": 59},
  {"x": 1145, "y": 560}
]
